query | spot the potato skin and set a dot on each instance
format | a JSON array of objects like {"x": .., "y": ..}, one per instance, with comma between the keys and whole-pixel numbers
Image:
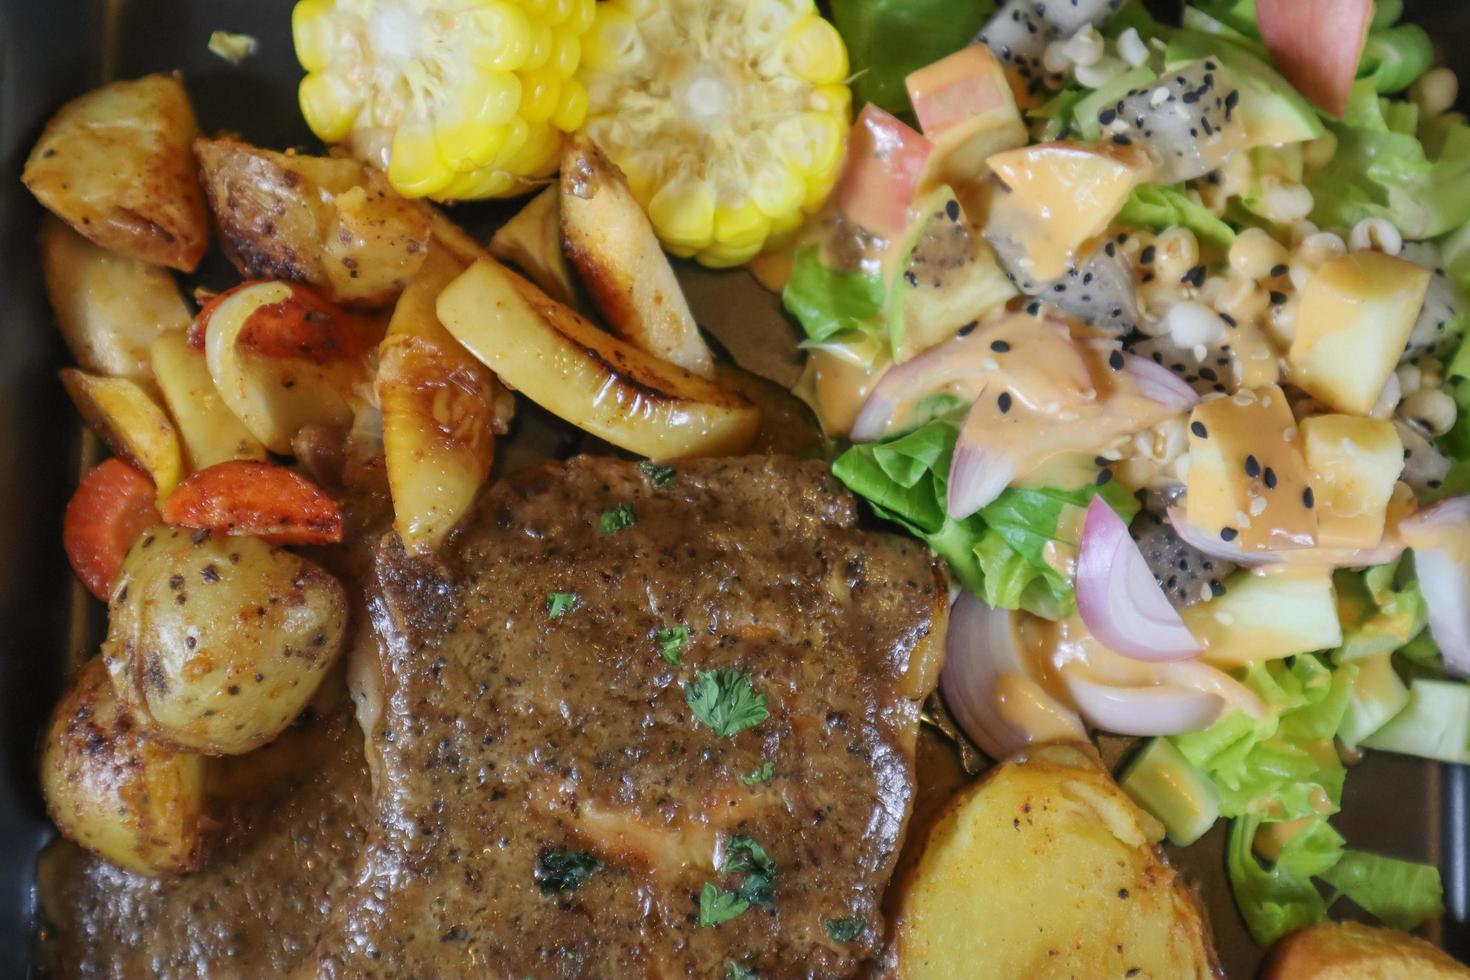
[
  {"x": 1044, "y": 868},
  {"x": 132, "y": 800},
  {"x": 116, "y": 165},
  {"x": 216, "y": 643},
  {"x": 1353, "y": 951},
  {"x": 324, "y": 221}
]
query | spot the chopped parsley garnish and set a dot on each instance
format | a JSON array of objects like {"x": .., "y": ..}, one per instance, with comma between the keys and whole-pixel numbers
[
  {"x": 723, "y": 700},
  {"x": 563, "y": 872},
  {"x": 671, "y": 643},
  {"x": 761, "y": 775},
  {"x": 739, "y": 971},
  {"x": 743, "y": 855},
  {"x": 559, "y": 604},
  {"x": 614, "y": 519},
  {"x": 717, "y": 906},
  {"x": 846, "y": 930},
  {"x": 659, "y": 476}
]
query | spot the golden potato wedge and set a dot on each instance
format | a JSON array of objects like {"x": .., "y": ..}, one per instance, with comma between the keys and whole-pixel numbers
[
  {"x": 209, "y": 430},
  {"x": 1045, "y": 868},
  {"x": 1353, "y": 951},
  {"x": 115, "y": 164},
  {"x": 131, "y": 422},
  {"x": 531, "y": 241},
  {"x": 438, "y": 406},
  {"x": 282, "y": 358},
  {"x": 324, "y": 221},
  {"x": 588, "y": 377},
  {"x": 215, "y": 643},
  {"x": 612, "y": 243},
  {"x": 109, "y": 307},
  {"x": 135, "y": 802}
]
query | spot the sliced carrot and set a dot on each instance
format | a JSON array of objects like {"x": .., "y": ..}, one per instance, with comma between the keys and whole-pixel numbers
[
  {"x": 114, "y": 503},
  {"x": 246, "y": 497},
  {"x": 304, "y": 325}
]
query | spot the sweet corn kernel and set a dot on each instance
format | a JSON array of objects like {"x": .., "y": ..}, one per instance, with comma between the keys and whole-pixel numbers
[
  {"x": 739, "y": 227},
  {"x": 541, "y": 94},
  {"x": 416, "y": 165},
  {"x": 571, "y": 107},
  {"x": 566, "y": 54},
  {"x": 329, "y": 105},
  {"x": 683, "y": 212},
  {"x": 498, "y": 36},
  {"x": 814, "y": 52},
  {"x": 313, "y": 34}
]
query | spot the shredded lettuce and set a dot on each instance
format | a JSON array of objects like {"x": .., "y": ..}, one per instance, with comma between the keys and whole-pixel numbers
[
  {"x": 1382, "y": 170},
  {"x": 1160, "y": 208},
  {"x": 1001, "y": 552},
  {"x": 1394, "y": 58},
  {"x": 828, "y": 303},
  {"x": 1381, "y": 610},
  {"x": 1401, "y": 893},
  {"x": 1273, "y": 900}
]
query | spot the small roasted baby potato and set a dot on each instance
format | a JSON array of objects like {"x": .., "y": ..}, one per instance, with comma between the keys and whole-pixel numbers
[
  {"x": 438, "y": 406},
  {"x": 324, "y": 221},
  {"x": 282, "y": 358},
  {"x": 1353, "y": 951},
  {"x": 615, "y": 391},
  {"x": 109, "y": 307},
  {"x": 116, "y": 165},
  {"x": 131, "y": 422},
  {"x": 216, "y": 643},
  {"x": 610, "y": 240},
  {"x": 531, "y": 241},
  {"x": 132, "y": 800},
  {"x": 1045, "y": 868},
  {"x": 210, "y": 432}
]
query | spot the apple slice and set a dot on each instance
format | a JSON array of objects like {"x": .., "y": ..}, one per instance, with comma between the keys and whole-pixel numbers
[
  {"x": 208, "y": 429},
  {"x": 1317, "y": 44},
  {"x": 590, "y": 378},
  {"x": 1355, "y": 464},
  {"x": 885, "y": 160},
  {"x": 965, "y": 106}
]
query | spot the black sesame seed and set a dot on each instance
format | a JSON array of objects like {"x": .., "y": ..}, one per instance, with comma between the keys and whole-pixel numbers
[
  {"x": 1122, "y": 140},
  {"x": 1229, "y": 320},
  {"x": 1233, "y": 99},
  {"x": 1033, "y": 309},
  {"x": 1004, "y": 402},
  {"x": 1110, "y": 249},
  {"x": 999, "y": 346},
  {"x": 1107, "y": 116},
  {"x": 952, "y": 210},
  {"x": 1147, "y": 255},
  {"x": 1277, "y": 297},
  {"x": 1059, "y": 288},
  {"x": 1252, "y": 467},
  {"x": 1217, "y": 588},
  {"x": 1228, "y": 533},
  {"x": 1115, "y": 360},
  {"x": 1100, "y": 461},
  {"x": 1308, "y": 499},
  {"x": 1103, "y": 476},
  {"x": 1277, "y": 271},
  {"x": 1198, "y": 428},
  {"x": 969, "y": 328},
  {"x": 1208, "y": 374},
  {"x": 1194, "y": 277},
  {"x": 910, "y": 278},
  {"x": 1270, "y": 477}
]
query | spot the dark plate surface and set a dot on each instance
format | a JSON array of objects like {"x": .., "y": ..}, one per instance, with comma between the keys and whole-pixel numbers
[{"x": 53, "y": 51}]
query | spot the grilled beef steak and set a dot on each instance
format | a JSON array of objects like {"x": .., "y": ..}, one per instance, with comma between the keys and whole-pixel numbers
[{"x": 568, "y": 786}]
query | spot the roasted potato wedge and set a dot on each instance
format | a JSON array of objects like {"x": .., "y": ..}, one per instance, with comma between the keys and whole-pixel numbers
[
  {"x": 216, "y": 643},
  {"x": 590, "y": 378},
  {"x": 115, "y": 164},
  {"x": 438, "y": 406},
  {"x": 109, "y": 307},
  {"x": 324, "y": 221},
  {"x": 281, "y": 358},
  {"x": 1045, "y": 868},
  {"x": 531, "y": 241},
  {"x": 134, "y": 801},
  {"x": 612, "y": 243},
  {"x": 1353, "y": 951},
  {"x": 209, "y": 430},
  {"x": 131, "y": 422}
]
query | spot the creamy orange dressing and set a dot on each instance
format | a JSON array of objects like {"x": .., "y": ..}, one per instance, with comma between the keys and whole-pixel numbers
[
  {"x": 1027, "y": 707},
  {"x": 835, "y": 384}
]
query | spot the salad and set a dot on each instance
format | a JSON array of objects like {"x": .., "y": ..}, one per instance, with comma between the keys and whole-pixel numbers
[{"x": 1156, "y": 334}]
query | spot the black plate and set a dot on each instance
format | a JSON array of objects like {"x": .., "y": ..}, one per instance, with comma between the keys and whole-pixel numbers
[{"x": 52, "y": 51}]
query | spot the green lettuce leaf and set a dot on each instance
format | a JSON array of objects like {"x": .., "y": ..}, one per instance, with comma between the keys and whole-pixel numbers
[
  {"x": 1273, "y": 900},
  {"x": 1395, "y": 57},
  {"x": 999, "y": 553},
  {"x": 1159, "y": 208},
  {"x": 1381, "y": 610},
  {"x": 828, "y": 303},
  {"x": 1403, "y": 894},
  {"x": 887, "y": 39}
]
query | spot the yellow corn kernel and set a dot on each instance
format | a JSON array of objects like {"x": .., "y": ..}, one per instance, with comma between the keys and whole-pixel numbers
[
  {"x": 834, "y": 100},
  {"x": 500, "y": 37},
  {"x": 814, "y": 51},
  {"x": 571, "y": 109},
  {"x": 559, "y": 10},
  {"x": 465, "y": 145},
  {"x": 683, "y": 212},
  {"x": 329, "y": 105},
  {"x": 538, "y": 155},
  {"x": 819, "y": 184},
  {"x": 777, "y": 188},
  {"x": 479, "y": 183},
  {"x": 768, "y": 21},
  {"x": 313, "y": 33},
  {"x": 785, "y": 225},
  {"x": 542, "y": 42},
  {"x": 415, "y": 167},
  {"x": 722, "y": 255},
  {"x": 583, "y": 12},
  {"x": 566, "y": 54},
  {"x": 811, "y": 142},
  {"x": 613, "y": 43},
  {"x": 516, "y": 133},
  {"x": 541, "y": 93},
  {"x": 537, "y": 8},
  {"x": 738, "y": 226}
]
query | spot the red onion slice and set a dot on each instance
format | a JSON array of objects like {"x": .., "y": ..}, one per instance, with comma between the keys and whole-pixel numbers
[
  {"x": 1158, "y": 710},
  {"x": 1157, "y": 383},
  {"x": 906, "y": 383},
  {"x": 979, "y": 651},
  {"x": 977, "y": 475},
  {"x": 1440, "y": 538},
  {"x": 1120, "y": 603},
  {"x": 1212, "y": 545}
]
